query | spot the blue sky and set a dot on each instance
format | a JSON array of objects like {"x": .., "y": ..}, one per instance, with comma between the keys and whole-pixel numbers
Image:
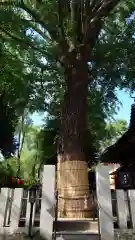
[
  {"x": 123, "y": 113},
  {"x": 125, "y": 109},
  {"x": 38, "y": 119}
]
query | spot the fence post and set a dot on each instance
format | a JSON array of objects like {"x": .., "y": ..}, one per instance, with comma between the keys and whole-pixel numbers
[
  {"x": 28, "y": 213},
  {"x": 16, "y": 209},
  {"x": 121, "y": 209},
  {"x": 131, "y": 195},
  {"x": 104, "y": 202},
  {"x": 47, "y": 202},
  {"x": 3, "y": 204}
]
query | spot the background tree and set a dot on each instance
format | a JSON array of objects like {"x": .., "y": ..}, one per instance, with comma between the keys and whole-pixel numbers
[{"x": 113, "y": 131}]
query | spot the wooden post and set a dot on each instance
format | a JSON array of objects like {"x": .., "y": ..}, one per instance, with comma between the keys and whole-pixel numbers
[
  {"x": 131, "y": 194},
  {"x": 3, "y": 204},
  {"x": 47, "y": 202},
  {"x": 16, "y": 209},
  {"x": 104, "y": 202},
  {"x": 121, "y": 209}
]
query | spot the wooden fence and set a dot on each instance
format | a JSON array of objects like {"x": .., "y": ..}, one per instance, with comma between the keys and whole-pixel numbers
[
  {"x": 15, "y": 208},
  {"x": 125, "y": 207}
]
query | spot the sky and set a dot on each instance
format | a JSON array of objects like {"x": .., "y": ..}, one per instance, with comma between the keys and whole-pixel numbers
[
  {"x": 123, "y": 113},
  {"x": 38, "y": 119},
  {"x": 125, "y": 109}
]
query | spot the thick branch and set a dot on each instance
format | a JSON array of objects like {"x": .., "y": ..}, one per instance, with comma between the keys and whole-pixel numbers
[
  {"x": 53, "y": 32},
  {"x": 104, "y": 9},
  {"x": 21, "y": 41},
  {"x": 77, "y": 14},
  {"x": 41, "y": 33},
  {"x": 63, "y": 41},
  {"x": 73, "y": 19},
  {"x": 95, "y": 4},
  {"x": 60, "y": 19},
  {"x": 93, "y": 27},
  {"x": 32, "y": 13},
  {"x": 91, "y": 35}
]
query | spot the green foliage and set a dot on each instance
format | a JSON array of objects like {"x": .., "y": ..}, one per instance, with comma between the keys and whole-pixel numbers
[
  {"x": 8, "y": 171},
  {"x": 45, "y": 142},
  {"x": 113, "y": 132},
  {"x": 39, "y": 148},
  {"x": 47, "y": 146},
  {"x": 8, "y": 121}
]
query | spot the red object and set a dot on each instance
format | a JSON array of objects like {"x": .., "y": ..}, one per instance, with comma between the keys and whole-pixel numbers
[
  {"x": 12, "y": 179},
  {"x": 18, "y": 181},
  {"x": 22, "y": 181}
]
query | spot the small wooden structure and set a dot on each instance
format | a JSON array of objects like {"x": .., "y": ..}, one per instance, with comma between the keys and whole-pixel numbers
[{"x": 123, "y": 153}]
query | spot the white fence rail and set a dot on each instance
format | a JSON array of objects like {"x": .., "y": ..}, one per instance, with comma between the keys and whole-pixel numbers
[{"x": 125, "y": 205}]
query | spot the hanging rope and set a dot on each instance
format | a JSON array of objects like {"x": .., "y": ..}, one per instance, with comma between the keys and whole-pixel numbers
[{"x": 85, "y": 202}]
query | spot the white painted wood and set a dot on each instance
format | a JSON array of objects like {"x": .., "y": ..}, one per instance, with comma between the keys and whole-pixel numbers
[
  {"x": 7, "y": 209},
  {"x": 33, "y": 216},
  {"x": 3, "y": 204},
  {"x": 47, "y": 202},
  {"x": 27, "y": 213},
  {"x": 121, "y": 208},
  {"x": 16, "y": 208},
  {"x": 104, "y": 202},
  {"x": 131, "y": 195},
  {"x": 10, "y": 205}
]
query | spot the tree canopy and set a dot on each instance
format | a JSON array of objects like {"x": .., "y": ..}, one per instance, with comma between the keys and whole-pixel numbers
[
  {"x": 32, "y": 74},
  {"x": 29, "y": 46}
]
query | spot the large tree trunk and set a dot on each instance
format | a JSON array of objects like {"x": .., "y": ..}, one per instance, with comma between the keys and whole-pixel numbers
[{"x": 72, "y": 177}]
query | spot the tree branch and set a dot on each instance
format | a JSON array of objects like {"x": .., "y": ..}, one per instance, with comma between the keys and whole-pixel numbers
[
  {"x": 60, "y": 19},
  {"x": 63, "y": 41},
  {"x": 38, "y": 19},
  {"x": 32, "y": 13},
  {"x": 93, "y": 28},
  {"x": 32, "y": 22},
  {"x": 36, "y": 29},
  {"x": 104, "y": 9},
  {"x": 20, "y": 41},
  {"x": 96, "y": 6},
  {"x": 92, "y": 33},
  {"x": 77, "y": 16},
  {"x": 73, "y": 19}
]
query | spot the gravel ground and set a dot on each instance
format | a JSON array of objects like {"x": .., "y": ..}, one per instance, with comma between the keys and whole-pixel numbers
[{"x": 119, "y": 235}]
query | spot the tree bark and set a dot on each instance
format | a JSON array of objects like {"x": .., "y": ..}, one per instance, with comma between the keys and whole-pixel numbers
[{"x": 72, "y": 177}]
